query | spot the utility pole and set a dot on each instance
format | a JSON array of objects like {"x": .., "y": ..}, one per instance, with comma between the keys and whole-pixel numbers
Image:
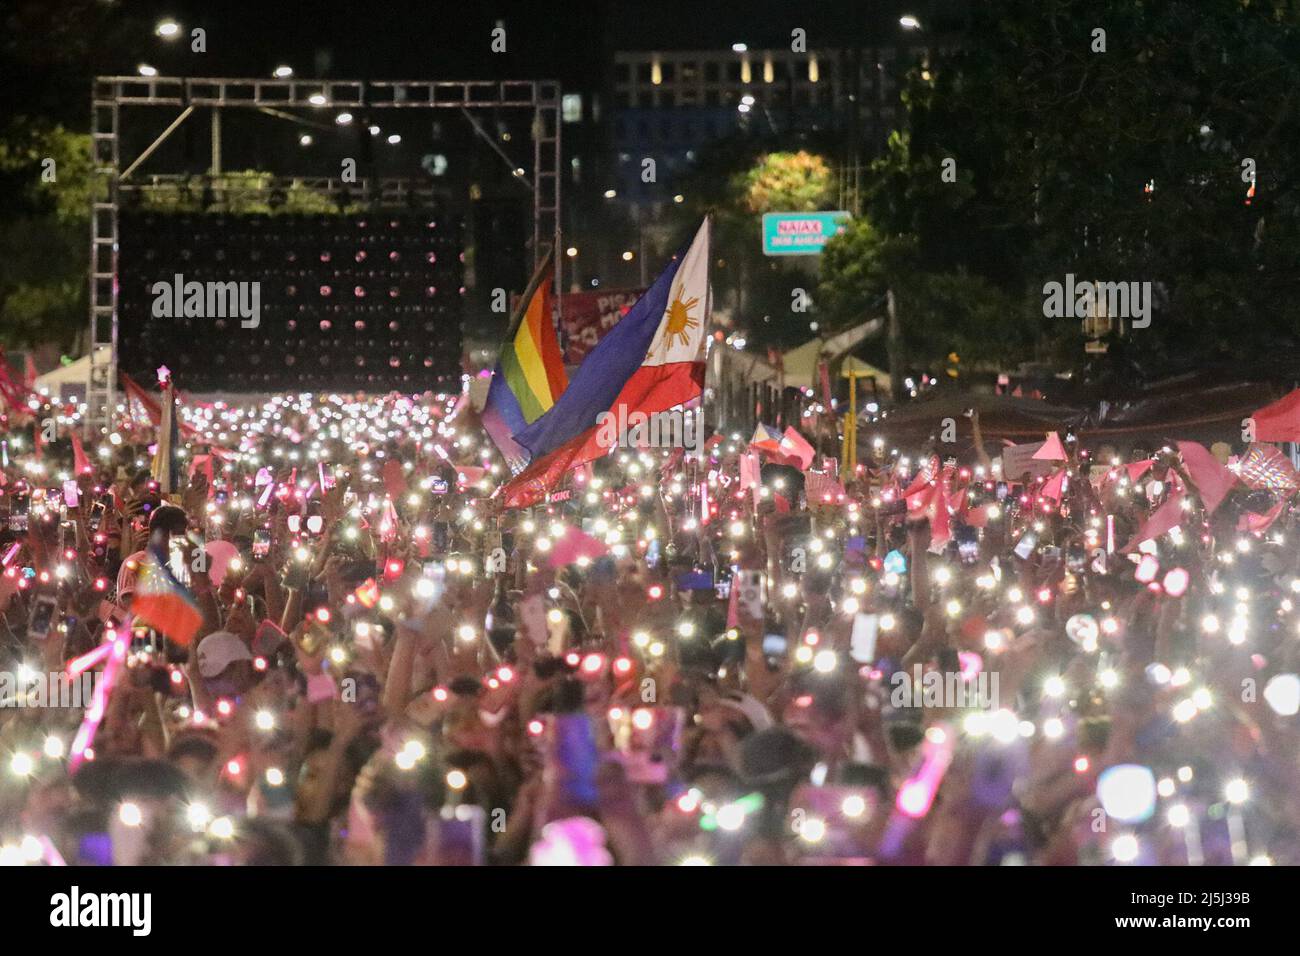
[{"x": 897, "y": 361}]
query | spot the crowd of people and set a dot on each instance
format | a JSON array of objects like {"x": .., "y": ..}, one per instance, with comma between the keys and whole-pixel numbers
[{"x": 740, "y": 657}]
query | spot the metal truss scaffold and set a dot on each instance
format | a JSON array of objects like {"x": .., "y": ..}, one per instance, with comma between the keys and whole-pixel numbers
[{"x": 109, "y": 94}]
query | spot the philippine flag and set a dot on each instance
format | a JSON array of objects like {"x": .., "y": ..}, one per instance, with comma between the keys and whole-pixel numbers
[{"x": 651, "y": 361}]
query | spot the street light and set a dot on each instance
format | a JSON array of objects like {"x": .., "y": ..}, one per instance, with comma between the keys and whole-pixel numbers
[
  {"x": 144, "y": 69},
  {"x": 167, "y": 29},
  {"x": 394, "y": 139},
  {"x": 739, "y": 48},
  {"x": 909, "y": 22},
  {"x": 343, "y": 119},
  {"x": 610, "y": 193},
  {"x": 283, "y": 72}
]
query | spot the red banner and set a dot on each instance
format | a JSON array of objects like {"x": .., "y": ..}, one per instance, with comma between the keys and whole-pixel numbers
[{"x": 587, "y": 316}]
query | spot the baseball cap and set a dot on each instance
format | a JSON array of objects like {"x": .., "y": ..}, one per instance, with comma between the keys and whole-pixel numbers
[{"x": 219, "y": 650}]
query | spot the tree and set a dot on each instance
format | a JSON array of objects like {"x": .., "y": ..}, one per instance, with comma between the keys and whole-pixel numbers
[
  {"x": 43, "y": 252},
  {"x": 786, "y": 182},
  {"x": 738, "y": 180},
  {"x": 1054, "y": 145},
  {"x": 938, "y": 313}
]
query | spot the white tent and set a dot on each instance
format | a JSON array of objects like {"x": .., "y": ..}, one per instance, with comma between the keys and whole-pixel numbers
[
  {"x": 800, "y": 363},
  {"x": 70, "y": 379}
]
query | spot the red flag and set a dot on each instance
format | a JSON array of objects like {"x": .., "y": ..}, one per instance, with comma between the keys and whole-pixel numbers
[
  {"x": 394, "y": 478},
  {"x": 795, "y": 446},
  {"x": 1279, "y": 421},
  {"x": 80, "y": 463},
  {"x": 824, "y": 376}
]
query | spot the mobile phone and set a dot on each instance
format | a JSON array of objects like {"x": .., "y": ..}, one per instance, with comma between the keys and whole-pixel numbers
[
  {"x": 1025, "y": 546},
  {"x": 1001, "y": 490},
  {"x": 441, "y": 537},
  {"x": 180, "y": 568},
  {"x": 19, "y": 511},
  {"x": 752, "y": 597},
  {"x": 428, "y": 589},
  {"x": 862, "y": 643},
  {"x": 532, "y": 614},
  {"x": 775, "y": 645},
  {"x": 261, "y": 544},
  {"x": 38, "y": 625},
  {"x": 437, "y": 486},
  {"x": 461, "y": 831},
  {"x": 97, "y": 515},
  {"x": 572, "y": 757},
  {"x": 71, "y": 493}
]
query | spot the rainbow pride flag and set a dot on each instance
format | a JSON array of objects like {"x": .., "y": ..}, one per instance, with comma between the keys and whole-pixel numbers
[
  {"x": 529, "y": 374},
  {"x": 162, "y": 602}
]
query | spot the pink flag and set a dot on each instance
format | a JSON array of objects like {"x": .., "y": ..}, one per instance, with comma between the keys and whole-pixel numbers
[
  {"x": 1136, "y": 469},
  {"x": 1265, "y": 467},
  {"x": 469, "y": 474},
  {"x": 1167, "y": 516},
  {"x": 822, "y": 489},
  {"x": 1052, "y": 449},
  {"x": 1210, "y": 477},
  {"x": 1257, "y": 523},
  {"x": 574, "y": 544},
  {"x": 749, "y": 471},
  {"x": 1054, "y": 487}
]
